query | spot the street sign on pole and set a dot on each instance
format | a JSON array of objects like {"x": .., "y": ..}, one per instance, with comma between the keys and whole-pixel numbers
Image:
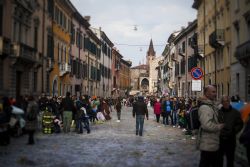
[
  {"x": 196, "y": 85},
  {"x": 196, "y": 73}
]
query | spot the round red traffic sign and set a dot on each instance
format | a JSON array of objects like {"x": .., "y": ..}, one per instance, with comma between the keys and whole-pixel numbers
[{"x": 196, "y": 73}]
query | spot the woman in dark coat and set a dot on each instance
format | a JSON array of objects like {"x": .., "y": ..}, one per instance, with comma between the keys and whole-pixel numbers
[
  {"x": 31, "y": 119},
  {"x": 118, "y": 107}
]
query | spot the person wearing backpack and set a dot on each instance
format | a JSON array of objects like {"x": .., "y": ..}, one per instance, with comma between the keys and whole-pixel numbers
[
  {"x": 209, "y": 132},
  {"x": 233, "y": 125},
  {"x": 31, "y": 119}
]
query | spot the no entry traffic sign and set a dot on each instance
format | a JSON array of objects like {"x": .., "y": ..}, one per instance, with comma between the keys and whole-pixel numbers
[{"x": 196, "y": 73}]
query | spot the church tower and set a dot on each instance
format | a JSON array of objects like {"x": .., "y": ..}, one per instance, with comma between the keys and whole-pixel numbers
[{"x": 150, "y": 52}]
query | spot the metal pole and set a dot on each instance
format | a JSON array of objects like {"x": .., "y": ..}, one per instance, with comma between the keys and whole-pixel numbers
[
  {"x": 186, "y": 69},
  {"x": 88, "y": 73},
  {"x": 215, "y": 52},
  {"x": 101, "y": 72},
  {"x": 43, "y": 25}
]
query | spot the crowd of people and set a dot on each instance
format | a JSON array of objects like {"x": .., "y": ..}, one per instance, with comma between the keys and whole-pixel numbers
[
  {"x": 52, "y": 115},
  {"x": 218, "y": 124}
]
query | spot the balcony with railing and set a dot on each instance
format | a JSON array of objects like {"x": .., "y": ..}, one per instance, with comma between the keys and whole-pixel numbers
[
  {"x": 181, "y": 51},
  {"x": 117, "y": 67},
  {"x": 5, "y": 46},
  {"x": 50, "y": 64},
  {"x": 64, "y": 68},
  {"x": 243, "y": 52},
  {"x": 169, "y": 65},
  {"x": 217, "y": 38},
  {"x": 199, "y": 51},
  {"x": 194, "y": 42},
  {"x": 24, "y": 53}
]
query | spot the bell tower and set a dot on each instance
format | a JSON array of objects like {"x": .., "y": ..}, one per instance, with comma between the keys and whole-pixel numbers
[{"x": 150, "y": 52}]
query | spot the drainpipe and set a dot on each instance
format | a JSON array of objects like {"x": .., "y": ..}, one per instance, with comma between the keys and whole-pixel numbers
[
  {"x": 186, "y": 67},
  {"x": 79, "y": 57},
  {"x": 204, "y": 41},
  {"x": 215, "y": 52},
  {"x": 52, "y": 56},
  {"x": 102, "y": 69},
  {"x": 43, "y": 25},
  {"x": 88, "y": 73}
]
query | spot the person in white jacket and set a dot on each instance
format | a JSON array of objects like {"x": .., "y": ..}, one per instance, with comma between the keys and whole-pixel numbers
[{"x": 209, "y": 132}]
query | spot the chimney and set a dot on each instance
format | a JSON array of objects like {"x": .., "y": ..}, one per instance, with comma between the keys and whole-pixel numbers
[{"x": 87, "y": 18}]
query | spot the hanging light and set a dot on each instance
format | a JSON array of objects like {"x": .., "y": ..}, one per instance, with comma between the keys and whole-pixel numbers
[{"x": 135, "y": 27}]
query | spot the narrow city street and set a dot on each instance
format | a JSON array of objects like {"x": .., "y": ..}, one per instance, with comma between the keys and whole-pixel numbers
[
  {"x": 111, "y": 144},
  {"x": 108, "y": 144}
]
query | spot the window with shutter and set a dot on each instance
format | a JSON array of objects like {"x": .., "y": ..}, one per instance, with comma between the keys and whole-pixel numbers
[
  {"x": 182, "y": 66},
  {"x": 177, "y": 69},
  {"x": 50, "y": 6},
  {"x": 50, "y": 47},
  {"x": 74, "y": 67}
]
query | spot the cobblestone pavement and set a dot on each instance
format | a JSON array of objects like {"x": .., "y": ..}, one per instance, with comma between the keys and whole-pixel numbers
[{"x": 111, "y": 144}]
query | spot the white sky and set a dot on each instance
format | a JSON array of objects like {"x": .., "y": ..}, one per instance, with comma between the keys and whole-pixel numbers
[{"x": 155, "y": 19}]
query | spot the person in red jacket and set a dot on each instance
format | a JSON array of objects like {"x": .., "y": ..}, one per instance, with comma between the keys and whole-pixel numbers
[{"x": 157, "y": 110}]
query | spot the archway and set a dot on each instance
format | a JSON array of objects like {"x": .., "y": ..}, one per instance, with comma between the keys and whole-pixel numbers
[{"x": 145, "y": 84}]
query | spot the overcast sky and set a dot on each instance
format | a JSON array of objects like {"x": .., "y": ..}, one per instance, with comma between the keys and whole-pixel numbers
[{"x": 155, "y": 19}]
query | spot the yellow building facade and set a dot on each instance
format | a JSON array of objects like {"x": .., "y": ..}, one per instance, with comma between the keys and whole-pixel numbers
[
  {"x": 240, "y": 57},
  {"x": 214, "y": 43},
  {"x": 59, "y": 78}
]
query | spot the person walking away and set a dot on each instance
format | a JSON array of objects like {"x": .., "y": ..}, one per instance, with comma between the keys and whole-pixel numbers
[
  {"x": 233, "y": 124},
  {"x": 68, "y": 107},
  {"x": 31, "y": 119},
  {"x": 245, "y": 136},
  {"x": 209, "y": 131},
  {"x": 118, "y": 107},
  {"x": 157, "y": 110},
  {"x": 140, "y": 110}
]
